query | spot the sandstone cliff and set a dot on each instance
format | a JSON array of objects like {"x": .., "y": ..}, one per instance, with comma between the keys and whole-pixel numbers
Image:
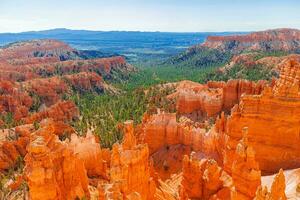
[
  {"x": 270, "y": 117},
  {"x": 276, "y": 39}
]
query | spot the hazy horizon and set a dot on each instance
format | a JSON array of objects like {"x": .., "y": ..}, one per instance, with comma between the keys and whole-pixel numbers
[
  {"x": 149, "y": 16},
  {"x": 69, "y": 29}
]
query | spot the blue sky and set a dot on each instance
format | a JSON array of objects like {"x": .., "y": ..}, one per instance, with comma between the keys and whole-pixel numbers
[{"x": 151, "y": 15}]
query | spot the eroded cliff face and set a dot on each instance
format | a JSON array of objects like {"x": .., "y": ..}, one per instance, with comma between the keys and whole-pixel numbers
[
  {"x": 204, "y": 179},
  {"x": 170, "y": 139},
  {"x": 129, "y": 170},
  {"x": 277, "y": 189},
  {"x": 33, "y": 51},
  {"x": 14, "y": 100},
  {"x": 53, "y": 171},
  {"x": 277, "y": 39},
  {"x": 211, "y": 99},
  {"x": 245, "y": 170},
  {"x": 270, "y": 117}
]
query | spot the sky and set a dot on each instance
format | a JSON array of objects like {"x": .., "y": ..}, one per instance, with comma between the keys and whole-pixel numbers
[{"x": 149, "y": 15}]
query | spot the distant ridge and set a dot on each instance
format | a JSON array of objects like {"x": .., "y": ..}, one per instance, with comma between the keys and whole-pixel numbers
[{"x": 217, "y": 50}]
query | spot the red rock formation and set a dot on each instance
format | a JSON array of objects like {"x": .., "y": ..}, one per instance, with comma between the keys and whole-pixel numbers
[
  {"x": 169, "y": 140},
  {"x": 13, "y": 145},
  {"x": 214, "y": 97},
  {"x": 204, "y": 180},
  {"x": 14, "y": 100},
  {"x": 49, "y": 90},
  {"x": 129, "y": 169},
  {"x": 277, "y": 39},
  {"x": 270, "y": 117},
  {"x": 88, "y": 150},
  {"x": 61, "y": 111},
  {"x": 36, "y": 50},
  {"x": 13, "y": 142},
  {"x": 245, "y": 170},
  {"x": 162, "y": 130},
  {"x": 86, "y": 82},
  {"x": 277, "y": 189},
  {"x": 169, "y": 189},
  {"x": 53, "y": 171},
  {"x": 102, "y": 66},
  {"x": 45, "y": 68}
]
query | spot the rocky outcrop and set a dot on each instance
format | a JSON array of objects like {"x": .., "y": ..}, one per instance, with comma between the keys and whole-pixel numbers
[
  {"x": 48, "y": 90},
  {"x": 270, "y": 40},
  {"x": 204, "y": 179},
  {"x": 256, "y": 61},
  {"x": 277, "y": 189},
  {"x": 129, "y": 169},
  {"x": 30, "y": 52},
  {"x": 210, "y": 99},
  {"x": 88, "y": 149},
  {"x": 13, "y": 143},
  {"x": 14, "y": 100},
  {"x": 245, "y": 170},
  {"x": 102, "y": 66},
  {"x": 169, "y": 189},
  {"x": 270, "y": 117},
  {"x": 162, "y": 130},
  {"x": 61, "y": 111},
  {"x": 53, "y": 171},
  {"x": 169, "y": 140},
  {"x": 86, "y": 82}
]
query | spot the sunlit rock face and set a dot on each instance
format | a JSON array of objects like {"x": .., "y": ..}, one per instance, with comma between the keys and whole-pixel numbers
[
  {"x": 129, "y": 170},
  {"x": 210, "y": 99},
  {"x": 277, "y": 189},
  {"x": 204, "y": 179},
  {"x": 53, "y": 171},
  {"x": 169, "y": 140},
  {"x": 14, "y": 142},
  {"x": 245, "y": 170},
  {"x": 88, "y": 149},
  {"x": 272, "y": 121}
]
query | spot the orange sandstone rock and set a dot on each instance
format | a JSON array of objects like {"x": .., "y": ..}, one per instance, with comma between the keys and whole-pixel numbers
[
  {"x": 129, "y": 170},
  {"x": 169, "y": 140},
  {"x": 272, "y": 122},
  {"x": 245, "y": 170},
  {"x": 14, "y": 99},
  {"x": 61, "y": 111},
  {"x": 53, "y": 171},
  {"x": 87, "y": 149},
  {"x": 210, "y": 99},
  {"x": 13, "y": 145},
  {"x": 204, "y": 180},
  {"x": 277, "y": 189}
]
